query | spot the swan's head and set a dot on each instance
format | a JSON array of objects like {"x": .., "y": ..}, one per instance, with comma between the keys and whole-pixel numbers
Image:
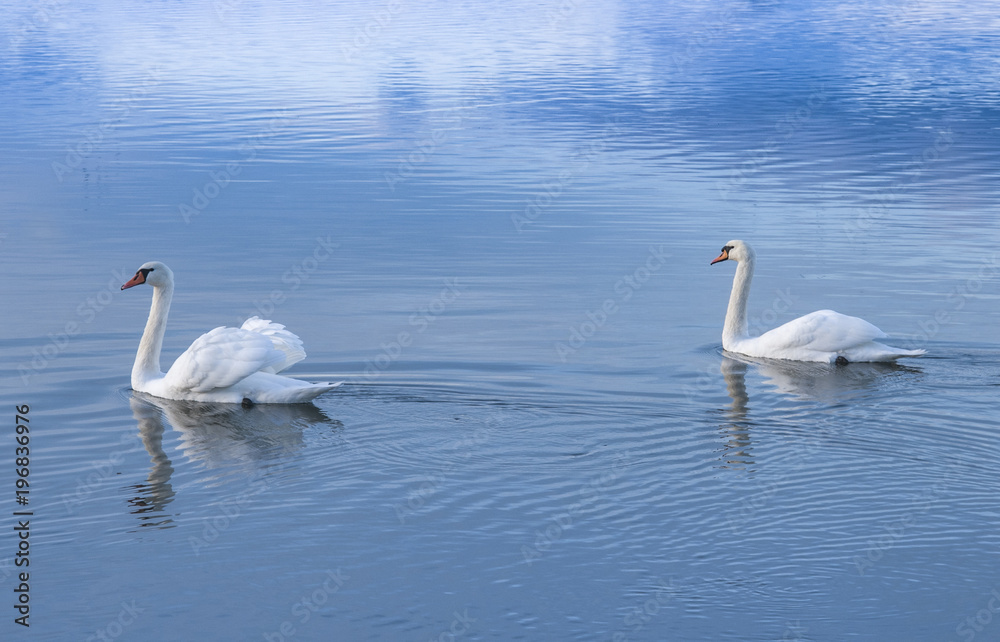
[
  {"x": 735, "y": 251},
  {"x": 154, "y": 273}
]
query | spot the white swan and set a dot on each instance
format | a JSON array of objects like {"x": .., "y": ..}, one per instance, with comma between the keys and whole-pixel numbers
[
  {"x": 226, "y": 365},
  {"x": 824, "y": 336}
]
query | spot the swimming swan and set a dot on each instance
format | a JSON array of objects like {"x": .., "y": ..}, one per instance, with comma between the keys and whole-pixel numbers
[
  {"x": 225, "y": 365},
  {"x": 823, "y": 336}
]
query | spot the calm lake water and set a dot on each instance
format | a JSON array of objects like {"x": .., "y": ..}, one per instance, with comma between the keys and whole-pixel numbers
[{"x": 494, "y": 221}]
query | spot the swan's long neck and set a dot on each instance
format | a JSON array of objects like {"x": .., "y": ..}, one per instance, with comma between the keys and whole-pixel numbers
[
  {"x": 736, "y": 315},
  {"x": 147, "y": 360}
]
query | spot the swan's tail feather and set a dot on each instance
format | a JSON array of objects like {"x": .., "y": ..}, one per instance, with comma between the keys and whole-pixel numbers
[
  {"x": 308, "y": 394},
  {"x": 283, "y": 340},
  {"x": 295, "y": 391},
  {"x": 892, "y": 353},
  {"x": 874, "y": 351}
]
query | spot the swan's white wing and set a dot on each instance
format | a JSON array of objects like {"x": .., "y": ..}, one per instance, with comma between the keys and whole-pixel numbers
[
  {"x": 282, "y": 340},
  {"x": 823, "y": 331},
  {"x": 222, "y": 358}
]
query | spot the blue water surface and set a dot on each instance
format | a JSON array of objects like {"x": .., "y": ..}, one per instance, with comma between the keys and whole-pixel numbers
[{"x": 494, "y": 222}]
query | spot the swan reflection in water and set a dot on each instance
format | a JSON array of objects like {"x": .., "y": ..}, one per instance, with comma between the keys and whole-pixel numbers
[
  {"x": 826, "y": 383},
  {"x": 218, "y": 437},
  {"x": 823, "y": 382},
  {"x": 736, "y": 429}
]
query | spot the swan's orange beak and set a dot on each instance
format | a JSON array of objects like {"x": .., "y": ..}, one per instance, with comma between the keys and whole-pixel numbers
[
  {"x": 722, "y": 257},
  {"x": 138, "y": 279}
]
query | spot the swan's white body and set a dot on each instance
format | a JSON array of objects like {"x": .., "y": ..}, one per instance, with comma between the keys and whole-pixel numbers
[
  {"x": 225, "y": 365},
  {"x": 822, "y": 336}
]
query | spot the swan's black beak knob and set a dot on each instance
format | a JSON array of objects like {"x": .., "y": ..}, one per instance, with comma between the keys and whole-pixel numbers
[
  {"x": 722, "y": 257},
  {"x": 138, "y": 279}
]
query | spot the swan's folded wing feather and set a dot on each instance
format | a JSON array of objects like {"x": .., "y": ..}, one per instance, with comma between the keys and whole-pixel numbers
[
  {"x": 823, "y": 331},
  {"x": 283, "y": 340},
  {"x": 221, "y": 358}
]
